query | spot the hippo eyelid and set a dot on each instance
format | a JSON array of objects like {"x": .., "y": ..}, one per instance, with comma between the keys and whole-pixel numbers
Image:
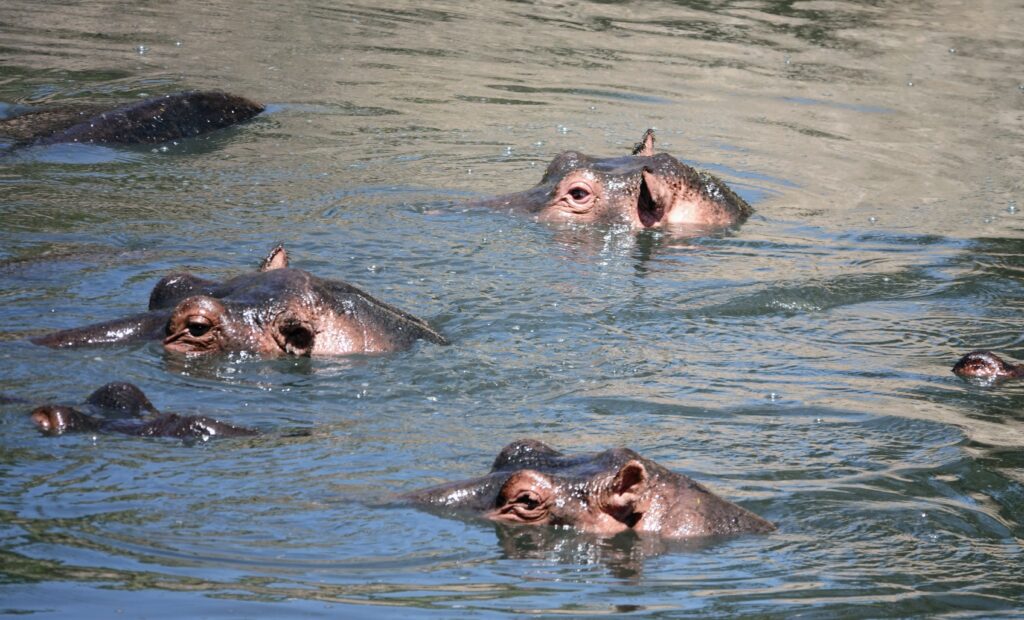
[
  {"x": 198, "y": 325},
  {"x": 528, "y": 499}
]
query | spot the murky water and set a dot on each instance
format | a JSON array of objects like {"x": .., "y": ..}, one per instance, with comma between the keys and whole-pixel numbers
[{"x": 798, "y": 366}]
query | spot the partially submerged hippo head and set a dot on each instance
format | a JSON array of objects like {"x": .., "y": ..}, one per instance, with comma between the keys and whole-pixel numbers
[
  {"x": 604, "y": 493},
  {"x": 276, "y": 310},
  {"x": 123, "y": 408},
  {"x": 150, "y": 121},
  {"x": 644, "y": 190},
  {"x": 986, "y": 366}
]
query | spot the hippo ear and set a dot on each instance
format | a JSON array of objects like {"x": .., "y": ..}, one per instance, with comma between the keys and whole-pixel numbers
[
  {"x": 645, "y": 147},
  {"x": 626, "y": 492},
  {"x": 277, "y": 259},
  {"x": 655, "y": 198}
]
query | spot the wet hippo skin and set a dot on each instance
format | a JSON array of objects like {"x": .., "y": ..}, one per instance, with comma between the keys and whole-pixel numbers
[
  {"x": 986, "y": 366},
  {"x": 604, "y": 493},
  {"x": 644, "y": 190},
  {"x": 275, "y": 311},
  {"x": 150, "y": 121},
  {"x": 123, "y": 408}
]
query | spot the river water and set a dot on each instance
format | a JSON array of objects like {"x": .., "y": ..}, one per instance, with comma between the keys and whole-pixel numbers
[{"x": 798, "y": 365}]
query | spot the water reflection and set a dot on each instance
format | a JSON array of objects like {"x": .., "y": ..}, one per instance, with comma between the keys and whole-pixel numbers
[{"x": 623, "y": 555}]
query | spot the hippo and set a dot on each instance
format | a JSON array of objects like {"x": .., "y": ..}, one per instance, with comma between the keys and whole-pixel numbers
[
  {"x": 643, "y": 190},
  {"x": 275, "y": 311},
  {"x": 150, "y": 121},
  {"x": 986, "y": 366},
  {"x": 118, "y": 408},
  {"x": 605, "y": 493}
]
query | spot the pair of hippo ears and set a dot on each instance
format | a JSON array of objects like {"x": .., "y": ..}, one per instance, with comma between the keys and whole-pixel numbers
[{"x": 277, "y": 259}]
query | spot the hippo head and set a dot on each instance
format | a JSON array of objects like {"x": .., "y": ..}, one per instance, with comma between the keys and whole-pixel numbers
[
  {"x": 643, "y": 190},
  {"x": 274, "y": 311},
  {"x": 986, "y": 366},
  {"x": 115, "y": 400},
  {"x": 605, "y": 493}
]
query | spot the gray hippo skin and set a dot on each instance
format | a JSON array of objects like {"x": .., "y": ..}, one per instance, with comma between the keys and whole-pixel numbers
[
  {"x": 643, "y": 190},
  {"x": 119, "y": 408},
  {"x": 603, "y": 493},
  {"x": 151, "y": 121},
  {"x": 274, "y": 311},
  {"x": 986, "y": 366}
]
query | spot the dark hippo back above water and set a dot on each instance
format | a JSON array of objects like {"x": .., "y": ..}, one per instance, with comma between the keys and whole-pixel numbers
[
  {"x": 643, "y": 190},
  {"x": 276, "y": 310},
  {"x": 603, "y": 493},
  {"x": 151, "y": 121}
]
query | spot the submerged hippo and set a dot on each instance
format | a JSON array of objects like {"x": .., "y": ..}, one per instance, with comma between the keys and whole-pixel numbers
[
  {"x": 604, "y": 493},
  {"x": 154, "y": 120},
  {"x": 644, "y": 190},
  {"x": 986, "y": 366},
  {"x": 276, "y": 310},
  {"x": 119, "y": 408}
]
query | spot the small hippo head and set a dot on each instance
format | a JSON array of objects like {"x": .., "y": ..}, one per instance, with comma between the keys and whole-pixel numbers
[
  {"x": 604, "y": 493},
  {"x": 643, "y": 190},
  {"x": 59, "y": 419},
  {"x": 986, "y": 366},
  {"x": 275, "y": 311}
]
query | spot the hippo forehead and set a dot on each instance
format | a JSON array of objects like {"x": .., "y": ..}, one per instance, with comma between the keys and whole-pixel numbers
[
  {"x": 262, "y": 290},
  {"x": 627, "y": 165},
  {"x": 536, "y": 455}
]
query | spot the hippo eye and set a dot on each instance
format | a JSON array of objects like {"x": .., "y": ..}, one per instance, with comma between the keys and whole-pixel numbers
[
  {"x": 579, "y": 193},
  {"x": 198, "y": 326}
]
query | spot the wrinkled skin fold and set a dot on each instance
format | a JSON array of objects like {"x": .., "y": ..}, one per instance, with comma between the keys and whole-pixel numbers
[
  {"x": 123, "y": 408},
  {"x": 274, "y": 311},
  {"x": 604, "y": 493},
  {"x": 150, "y": 121},
  {"x": 643, "y": 190},
  {"x": 986, "y": 366}
]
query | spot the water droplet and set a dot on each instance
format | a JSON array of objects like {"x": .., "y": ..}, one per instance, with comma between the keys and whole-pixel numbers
[
  {"x": 872, "y": 219},
  {"x": 432, "y": 399},
  {"x": 773, "y": 396},
  {"x": 142, "y": 49},
  {"x": 910, "y": 83},
  {"x": 886, "y": 279},
  {"x": 952, "y": 50},
  {"x": 508, "y": 150},
  {"x": 593, "y": 108},
  {"x": 1012, "y": 207},
  {"x": 177, "y": 44},
  {"x": 786, "y": 59},
  {"x": 469, "y": 171},
  {"x": 989, "y": 219}
]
